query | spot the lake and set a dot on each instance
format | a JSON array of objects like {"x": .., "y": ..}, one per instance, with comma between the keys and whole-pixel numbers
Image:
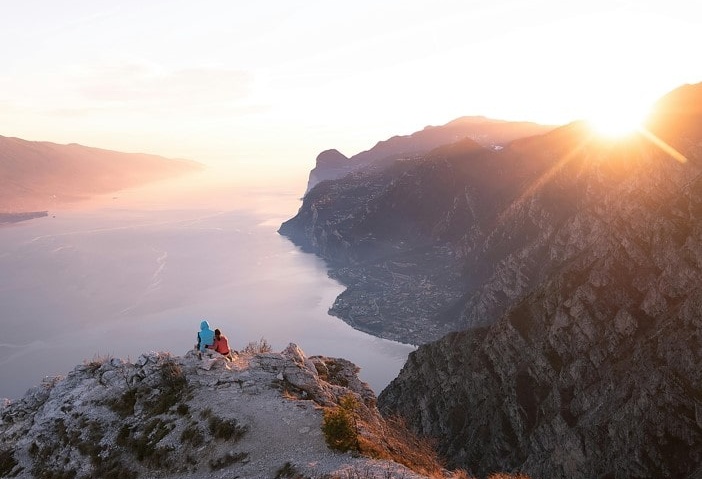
[{"x": 137, "y": 271}]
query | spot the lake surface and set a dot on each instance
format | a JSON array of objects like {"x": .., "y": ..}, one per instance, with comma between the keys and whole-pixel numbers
[{"x": 138, "y": 272}]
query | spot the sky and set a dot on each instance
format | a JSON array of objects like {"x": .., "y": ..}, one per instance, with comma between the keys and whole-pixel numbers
[{"x": 265, "y": 86}]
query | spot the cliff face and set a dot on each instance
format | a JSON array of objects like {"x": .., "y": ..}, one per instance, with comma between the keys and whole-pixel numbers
[
  {"x": 422, "y": 244},
  {"x": 329, "y": 164},
  {"x": 451, "y": 240},
  {"x": 385, "y": 232},
  {"x": 259, "y": 416},
  {"x": 589, "y": 363}
]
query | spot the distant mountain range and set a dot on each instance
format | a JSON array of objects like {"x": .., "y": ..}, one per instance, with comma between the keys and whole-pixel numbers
[
  {"x": 40, "y": 175},
  {"x": 571, "y": 265},
  {"x": 331, "y": 164}
]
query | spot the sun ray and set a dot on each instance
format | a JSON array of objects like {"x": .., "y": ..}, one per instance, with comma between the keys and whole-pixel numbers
[
  {"x": 662, "y": 145},
  {"x": 544, "y": 178},
  {"x": 539, "y": 182}
]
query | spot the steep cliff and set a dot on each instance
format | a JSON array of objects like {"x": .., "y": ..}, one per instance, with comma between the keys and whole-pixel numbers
[
  {"x": 425, "y": 246},
  {"x": 386, "y": 231},
  {"x": 589, "y": 363},
  {"x": 329, "y": 164},
  {"x": 454, "y": 238}
]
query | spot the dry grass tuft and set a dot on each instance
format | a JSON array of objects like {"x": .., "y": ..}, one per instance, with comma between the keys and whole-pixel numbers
[
  {"x": 257, "y": 347},
  {"x": 398, "y": 443}
]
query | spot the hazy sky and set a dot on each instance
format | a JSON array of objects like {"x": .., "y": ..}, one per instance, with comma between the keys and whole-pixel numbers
[{"x": 270, "y": 84}]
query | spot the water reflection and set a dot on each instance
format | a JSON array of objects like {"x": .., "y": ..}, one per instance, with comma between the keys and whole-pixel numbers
[{"x": 139, "y": 271}]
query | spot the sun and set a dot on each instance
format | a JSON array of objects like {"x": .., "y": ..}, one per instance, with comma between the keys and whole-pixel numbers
[{"x": 616, "y": 120}]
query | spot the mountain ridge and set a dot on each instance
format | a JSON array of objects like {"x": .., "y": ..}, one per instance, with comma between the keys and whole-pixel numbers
[
  {"x": 485, "y": 131},
  {"x": 36, "y": 176}
]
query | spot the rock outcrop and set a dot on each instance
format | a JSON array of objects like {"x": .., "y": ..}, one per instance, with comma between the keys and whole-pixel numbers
[
  {"x": 330, "y": 164},
  {"x": 259, "y": 416}
]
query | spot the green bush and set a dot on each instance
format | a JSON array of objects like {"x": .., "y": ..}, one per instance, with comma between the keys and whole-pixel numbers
[
  {"x": 227, "y": 429},
  {"x": 111, "y": 467},
  {"x": 227, "y": 460},
  {"x": 144, "y": 444},
  {"x": 339, "y": 425},
  {"x": 193, "y": 435},
  {"x": 124, "y": 404},
  {"x": 174, "y": 385},
  {"x": 288, "y": 471},
  {"x": 7, "y": 462}
]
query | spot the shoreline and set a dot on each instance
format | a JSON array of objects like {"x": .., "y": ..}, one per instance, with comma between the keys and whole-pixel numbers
[{"x": 10, "y": 218}]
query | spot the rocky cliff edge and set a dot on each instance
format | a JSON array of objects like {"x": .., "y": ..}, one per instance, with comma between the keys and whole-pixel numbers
[{"x": 259, "y": 416}]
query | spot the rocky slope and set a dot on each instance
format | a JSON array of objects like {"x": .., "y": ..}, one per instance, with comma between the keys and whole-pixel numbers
[
  {"x": 589, "y": 366},
  {"x": 40, "y": 175},
  {"x": 451, "y": 240},
  {"x": 259, "y": 416},
  {"x": 331, "y": 164}
]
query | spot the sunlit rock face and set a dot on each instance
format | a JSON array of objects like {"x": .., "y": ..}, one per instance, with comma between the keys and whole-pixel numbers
[{"x": 587, "y": 363}]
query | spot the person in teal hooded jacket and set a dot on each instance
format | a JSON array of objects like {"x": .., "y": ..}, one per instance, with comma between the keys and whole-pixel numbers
[{"x": 205, "y": 338}]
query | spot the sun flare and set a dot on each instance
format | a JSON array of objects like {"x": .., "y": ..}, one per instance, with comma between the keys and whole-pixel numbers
[{"x": 617, "y": 121}]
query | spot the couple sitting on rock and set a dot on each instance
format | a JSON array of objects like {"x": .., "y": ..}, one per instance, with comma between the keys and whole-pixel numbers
[{"x": 212, "y": 340}]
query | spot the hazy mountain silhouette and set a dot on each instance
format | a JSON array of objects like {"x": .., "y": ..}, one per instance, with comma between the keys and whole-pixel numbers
[
  {"x": 39, "y": 175},
  {"x": 332, "y": 164}
]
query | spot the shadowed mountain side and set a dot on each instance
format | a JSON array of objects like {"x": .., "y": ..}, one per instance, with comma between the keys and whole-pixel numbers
[
  {"x": 590, "y": 364},
  {"x": 383, "y": 232},
  {"x": 451, "y": 240},
  {"x": 408, "y": 239},
  {"x": 489, "y": 133},
  {"x": 39, "y": 175}
]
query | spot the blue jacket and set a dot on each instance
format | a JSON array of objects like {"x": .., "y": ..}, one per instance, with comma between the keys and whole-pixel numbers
[{"x": 205, "y": 336}]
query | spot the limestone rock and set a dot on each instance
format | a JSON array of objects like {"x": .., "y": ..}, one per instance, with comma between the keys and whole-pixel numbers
[{"x": 186, "y": 417}]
